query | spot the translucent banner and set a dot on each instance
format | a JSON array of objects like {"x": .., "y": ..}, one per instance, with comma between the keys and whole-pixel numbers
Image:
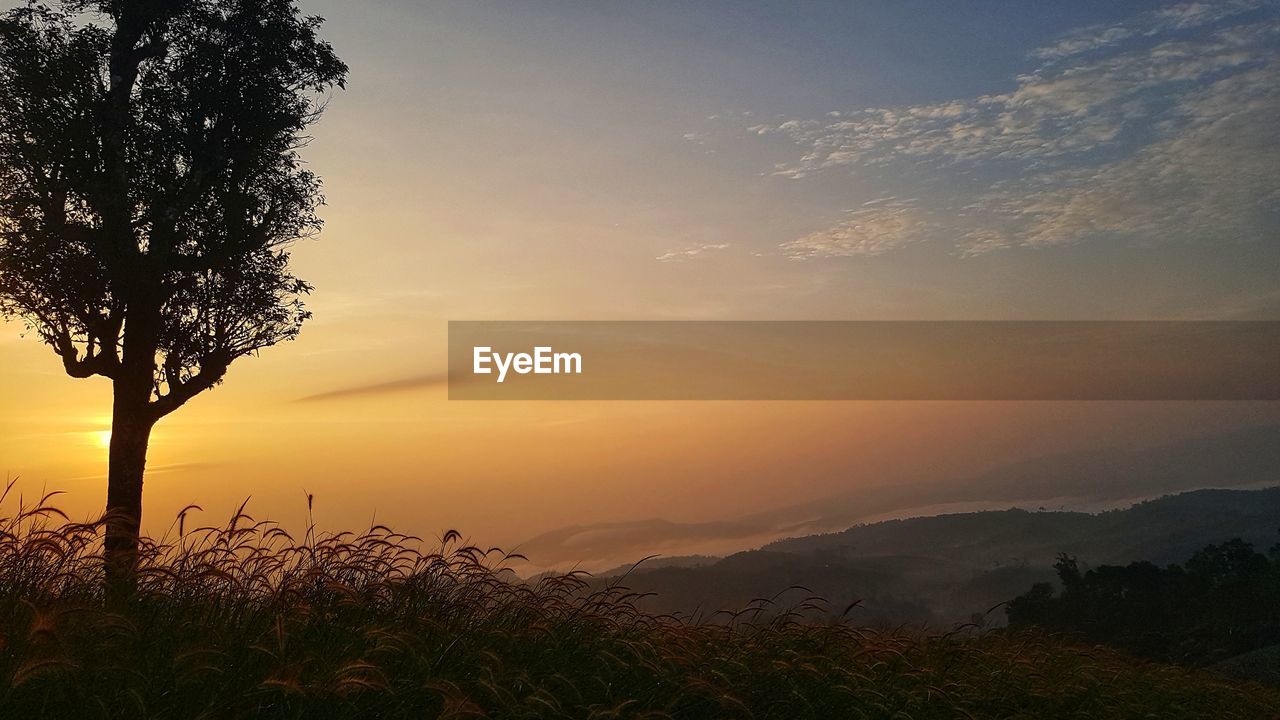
[{"x": 864, "y": 360}]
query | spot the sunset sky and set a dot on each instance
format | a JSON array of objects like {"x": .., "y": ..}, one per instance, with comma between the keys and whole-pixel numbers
[{"x": 712, "y": 160}]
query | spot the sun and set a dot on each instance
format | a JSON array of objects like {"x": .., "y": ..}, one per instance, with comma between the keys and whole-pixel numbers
[{"x": 102, "y": 438}]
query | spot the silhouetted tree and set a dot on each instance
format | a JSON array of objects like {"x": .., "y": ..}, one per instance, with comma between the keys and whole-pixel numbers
[
  {"x": 149, "y": 185},
  {"x": 1224, "y": 602}
]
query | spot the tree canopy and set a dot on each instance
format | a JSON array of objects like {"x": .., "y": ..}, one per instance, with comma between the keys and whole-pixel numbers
[
  {"x": 150, "y": 181},
  {"x": 1223, "y": 602}
]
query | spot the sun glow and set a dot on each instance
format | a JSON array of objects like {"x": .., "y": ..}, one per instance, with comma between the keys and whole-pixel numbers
[{"x": 102, "y": 438}]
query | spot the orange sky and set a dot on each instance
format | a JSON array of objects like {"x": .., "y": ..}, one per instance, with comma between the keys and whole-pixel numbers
[
  {"x": 484, "y": 166},
  {"x": 505, "y": 472}
]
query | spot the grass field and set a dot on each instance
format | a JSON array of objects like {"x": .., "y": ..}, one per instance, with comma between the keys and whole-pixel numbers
[{"x": 245, "y": 621}]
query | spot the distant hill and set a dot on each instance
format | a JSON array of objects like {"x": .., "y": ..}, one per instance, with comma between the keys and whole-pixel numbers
[
  {"x": 944, "y": 569},
  {"x": 656, "y": 563},
  {"x": 1085, "y": 479}
]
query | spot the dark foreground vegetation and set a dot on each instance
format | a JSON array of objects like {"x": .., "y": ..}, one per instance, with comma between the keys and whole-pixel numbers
[
  {"x": 246, "y": 621},
  {"x": 1223, "y": 602}
]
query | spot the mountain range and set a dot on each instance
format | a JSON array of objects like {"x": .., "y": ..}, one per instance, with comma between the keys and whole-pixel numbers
[
  {"x": 951, "y": 568},
  {"x": 1093, "y": 479}
]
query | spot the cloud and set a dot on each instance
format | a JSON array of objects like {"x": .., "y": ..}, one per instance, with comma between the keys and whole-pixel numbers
[
  {"x": 877, "y": 228},
  {"x": 1049, "y": 114},
  {"x": 1090, "y": 39},
  {"x": 1215, "y": 179},
  {"x": 417, "y": 382},
  {"x": 982, "y": 241},
  {"x": 690, "y": 253},
  {"x": 1148, "y": 133},
  {"x": 1182, "y": 16},
  {"x": 156, "y": 469}
]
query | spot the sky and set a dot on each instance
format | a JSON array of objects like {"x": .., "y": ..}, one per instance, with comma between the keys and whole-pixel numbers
[{"x": 711, "y": 160}]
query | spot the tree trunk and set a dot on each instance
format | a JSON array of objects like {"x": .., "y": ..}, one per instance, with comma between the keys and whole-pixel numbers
[{"x": 131, "y": 425}]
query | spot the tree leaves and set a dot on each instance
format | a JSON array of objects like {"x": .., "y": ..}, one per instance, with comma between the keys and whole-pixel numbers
[{"x": 150, "y": 176}]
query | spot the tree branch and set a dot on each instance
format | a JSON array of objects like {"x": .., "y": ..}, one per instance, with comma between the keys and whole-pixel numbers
[
  {"x": 211, "y": 373},
  {"x": 100, "y": 363}
]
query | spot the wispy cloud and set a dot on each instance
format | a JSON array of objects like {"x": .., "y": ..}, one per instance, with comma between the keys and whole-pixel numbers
[
  {"x": 692, "y": 252},
  {"x": 1213, "y": 180},
  {"x": 1143, "y": 129},
  {"x": 1182, "y": 16},
  {"x": 417, "y": 382},
  {"x": 156, "y": 469},
  {"x": 878, "y": 227}
]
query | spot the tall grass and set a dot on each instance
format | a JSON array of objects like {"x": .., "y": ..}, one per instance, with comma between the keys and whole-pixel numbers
[{"x": 244, "y": 620}]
